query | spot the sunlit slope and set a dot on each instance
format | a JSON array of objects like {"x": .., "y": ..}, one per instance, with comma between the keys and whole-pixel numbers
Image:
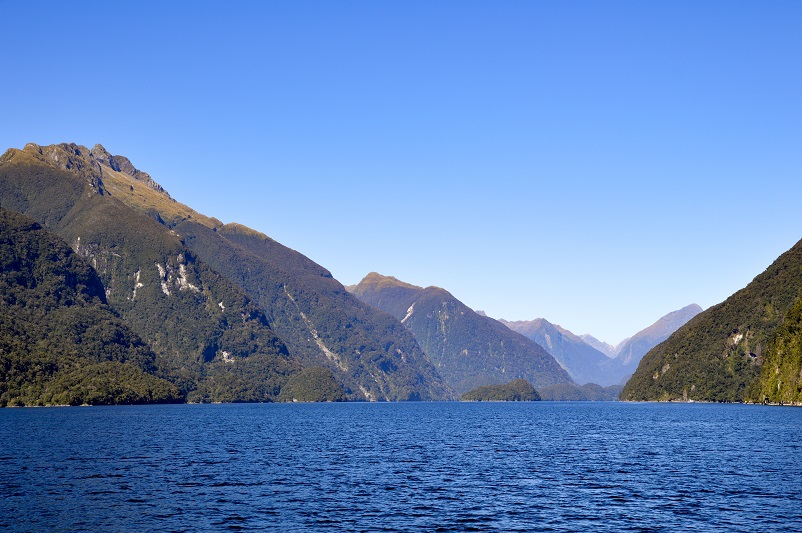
[
  {"x": 321, "y": 323},
  {"x": 720, "y": 354},
  {"x": 212, "y": 340}
]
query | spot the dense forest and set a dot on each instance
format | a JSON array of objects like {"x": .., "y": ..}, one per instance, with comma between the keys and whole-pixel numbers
[
  {"x": 734, "y": 350},
  {"x": 780, "y": 380},
  {"x": 517, "y": 390},
  {"x": 589, "y": 392},
  {"x": 60, "y": 343}
]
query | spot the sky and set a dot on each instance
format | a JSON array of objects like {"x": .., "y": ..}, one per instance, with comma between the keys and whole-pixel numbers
[{"x": 595, "y": 163}]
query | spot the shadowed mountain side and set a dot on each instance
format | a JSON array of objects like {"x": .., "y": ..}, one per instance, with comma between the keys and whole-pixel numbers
[
  {"x": 721, "y": 354},
  {"x": 469, "y": 350},
  {"x": 589, "y": 392},
  {"x": 373, "y": 355},
  {"x": 59, "y": 341}
]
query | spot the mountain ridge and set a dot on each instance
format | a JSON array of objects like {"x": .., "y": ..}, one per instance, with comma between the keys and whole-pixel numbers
[
  {"x": 581, "y": 360},
  {"x": 133, "y": 232},
  {"x": 588, "y": 365},
  {"x": 469, "y": 350}
]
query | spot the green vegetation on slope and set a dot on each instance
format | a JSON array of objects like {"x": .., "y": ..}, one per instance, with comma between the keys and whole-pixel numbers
[
  {"x": 718, "y": 355},
  {"x": 370, "y": 353},
  {"x": 313, "y": 384},
  {"x": 469, "y": 350},
  {"x": 589, "y": 392},
  {"x": 780, "y": 380},
  {"x": 211, "y": 339},
  {"x": 517, "y": 390},
  {"x": 207, "y": 296},
  {"x": 60, "y": 344}
]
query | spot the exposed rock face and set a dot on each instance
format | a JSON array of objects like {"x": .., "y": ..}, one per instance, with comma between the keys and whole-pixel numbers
[
  {"x": 122, "y": 164},
  {"x": 87, "y": 163}
]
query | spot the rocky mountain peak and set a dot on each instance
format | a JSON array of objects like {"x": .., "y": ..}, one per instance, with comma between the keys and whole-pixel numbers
[
  {"x": 72, "y": 158},
  {"x": 120, "y": 163},
  {"x": 89, "y": 163}
]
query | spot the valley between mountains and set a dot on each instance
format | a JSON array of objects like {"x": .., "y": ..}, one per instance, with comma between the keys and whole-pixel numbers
[{"x": 113, "y": 292}]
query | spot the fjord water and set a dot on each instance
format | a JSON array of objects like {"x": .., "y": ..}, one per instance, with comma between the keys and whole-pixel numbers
[{"x": 542, "y": 466}]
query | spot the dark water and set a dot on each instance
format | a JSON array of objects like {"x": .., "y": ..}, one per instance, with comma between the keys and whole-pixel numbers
[{"x": 399, "y": 467}]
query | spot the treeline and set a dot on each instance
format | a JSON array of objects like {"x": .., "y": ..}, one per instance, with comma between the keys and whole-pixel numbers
[{"x": 517, "y": 390}]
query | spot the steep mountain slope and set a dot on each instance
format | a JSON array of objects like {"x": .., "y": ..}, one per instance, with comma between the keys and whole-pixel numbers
[
  {"x": 213, "y": 340},
  {"x": 781, "y": 376},
  {"x": 59, "y": 341},
  {"x": 581, "y": 360},
  {"x": 607, "y": 349},
  {"x": 373, "y": 355},
  {"x": 719, "y": 354},
  {"x": 469, "y": 350},
  {"x": 632, "y": 351},
  {"x": 209, "y": 320}
]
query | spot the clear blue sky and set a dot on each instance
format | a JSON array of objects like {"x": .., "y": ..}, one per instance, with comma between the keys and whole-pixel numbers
[{"x": 598, "y": 163}]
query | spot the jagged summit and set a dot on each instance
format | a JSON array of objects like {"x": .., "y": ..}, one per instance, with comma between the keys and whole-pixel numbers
[
  {"x": 112, "y": 175},
  {"x": 122, "y": 164},
  {"x": 91, "y": 163}
]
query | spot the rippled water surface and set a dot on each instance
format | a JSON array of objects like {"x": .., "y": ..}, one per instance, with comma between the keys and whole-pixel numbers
[{"x": 398, "y": 467}]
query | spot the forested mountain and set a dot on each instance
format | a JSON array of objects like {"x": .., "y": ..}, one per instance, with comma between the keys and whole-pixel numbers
[
  {"x": 781, "y": 376},
  {"x": 373, "y": 355},
  {"x": 469, "y": 350},
  {"x": 744, "y": 349},
  {"x": 582, "y": 361},
  {"x": 589, "y": 392},
  {"x": 212, "y": 328},
  {"x": 60, "y": 343},
  {"x": 517, "y": 390}
]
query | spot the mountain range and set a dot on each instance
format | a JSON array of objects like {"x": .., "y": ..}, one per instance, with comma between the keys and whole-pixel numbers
[
  {"x": 587, "y": 364},
  {"x": 606, "y": 348},
  {"x": 230, "y": 314},
  {"x": 469, "y": 350},
  {"x": 114, "y": 292},
  {"x": 583, "y": 362}
]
